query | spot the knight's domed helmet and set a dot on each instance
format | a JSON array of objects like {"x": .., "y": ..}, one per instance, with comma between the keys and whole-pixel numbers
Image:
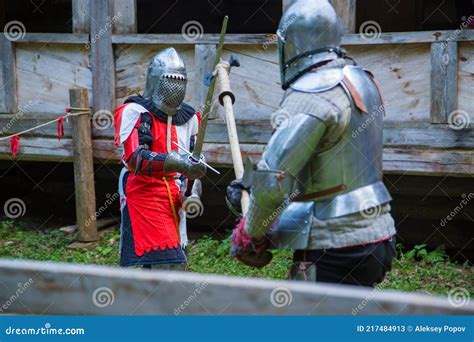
[
  {"x": 308, "y": 34},
  {"x": 166, "y": 81}
]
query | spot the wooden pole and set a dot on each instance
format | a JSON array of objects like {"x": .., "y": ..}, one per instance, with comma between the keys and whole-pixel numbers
[
  {"x": 223, "y": 84},
  {"x": 80, "y": 16},
  {"x": 8, "y": 83},
  {"x": 346, "y": 11},
  {"x": 102, "y": 57},
  {"x": 83, "y": 168}
]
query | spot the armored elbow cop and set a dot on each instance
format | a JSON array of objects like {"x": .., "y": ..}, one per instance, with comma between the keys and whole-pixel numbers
[{"x": 183, "y": 164}]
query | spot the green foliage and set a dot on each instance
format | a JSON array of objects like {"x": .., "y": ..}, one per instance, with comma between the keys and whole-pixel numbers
[
  {"x": 212, "y": 256},
  {"x": 428, "y": 271},
  {"x": 414, "y": 270},
  {"x": 22, "y": 243}
]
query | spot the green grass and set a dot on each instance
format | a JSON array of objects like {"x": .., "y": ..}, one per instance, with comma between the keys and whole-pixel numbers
[{"x": 415, "y": 270}]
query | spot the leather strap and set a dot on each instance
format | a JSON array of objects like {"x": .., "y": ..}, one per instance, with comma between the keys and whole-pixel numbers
[
  {"x": 376, "y": 84},
  {"x": 322, "y": 193},
  {"x": 358, "y": 101}
]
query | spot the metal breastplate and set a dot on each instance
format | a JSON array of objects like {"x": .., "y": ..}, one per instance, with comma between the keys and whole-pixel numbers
[{"x": 355, "y": 161}]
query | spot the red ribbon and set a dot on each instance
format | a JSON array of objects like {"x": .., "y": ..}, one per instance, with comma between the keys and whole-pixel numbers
[
  {"x": 60, "y": 127},
  {"x": 14, "y": 144},
  {"x": 198, "y": 114}
]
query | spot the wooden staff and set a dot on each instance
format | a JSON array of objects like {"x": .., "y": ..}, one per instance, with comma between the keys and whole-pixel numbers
[{"x": 227, "y": 99}]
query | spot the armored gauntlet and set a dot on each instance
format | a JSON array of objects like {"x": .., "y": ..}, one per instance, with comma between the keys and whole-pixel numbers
[{"x": 185, "y": 165}]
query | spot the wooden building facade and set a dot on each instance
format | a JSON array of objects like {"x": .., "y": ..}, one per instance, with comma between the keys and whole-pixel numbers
[{"x": 426, "y": 76}]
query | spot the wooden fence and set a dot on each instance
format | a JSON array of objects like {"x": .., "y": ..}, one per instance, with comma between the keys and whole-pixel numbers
[{"x": 31, "y": 287}]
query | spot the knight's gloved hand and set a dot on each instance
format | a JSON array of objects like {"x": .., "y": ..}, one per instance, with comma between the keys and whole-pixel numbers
[
  {"x": 247, "y": 250},
  {"x": 234, "y": 196},
  {"x": 184, "y": 164}
]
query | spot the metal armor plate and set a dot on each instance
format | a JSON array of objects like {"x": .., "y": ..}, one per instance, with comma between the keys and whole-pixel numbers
[
  {"x": 291, "y": 230},
  {"x": 355, "y": 161},
  {"x": 322, "y": 80}
]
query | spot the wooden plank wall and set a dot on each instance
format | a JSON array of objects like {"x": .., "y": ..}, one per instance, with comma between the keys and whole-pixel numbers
[
  {"x": 418, "y": 137},
  {"x": 55, "y": 288}
]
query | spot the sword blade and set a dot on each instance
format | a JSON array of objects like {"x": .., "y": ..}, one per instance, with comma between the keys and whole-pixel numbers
[{"x": 197, "y": 160}]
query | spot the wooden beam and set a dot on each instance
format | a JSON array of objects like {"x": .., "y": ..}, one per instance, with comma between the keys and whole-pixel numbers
[
  {"x": 124, "y": 16},
  {"x": 346, "y": 11},
  {"x": 50, "y": 149},
  {"x": 61, "y": 289},
  {"x": 286, "y": 4},
  {"x": 408, "y": 147},
  {"x": 403, "y": 160},
  {"x": 102, "y": 57},
  {"x": 80, "y": 16},
  {"x": 444, "y": 80},
  {"x": 8, "y": 85},
  {"x": 83, "y": 168},
  {"x": 396, "y": 134},
  {"x": 410, "y": 161},
  {"x": 249, "y": 39},
  {"x": 55, "y": 38},
  {"x": 204, "y": 56}
]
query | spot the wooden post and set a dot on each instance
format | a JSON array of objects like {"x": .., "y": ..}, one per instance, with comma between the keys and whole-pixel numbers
[
  {"x": 444, "y": 80},
  {"x": 102, "y": 57},
  {"x": 8, "y": 91},
  {"x": 83, "y": 168},
  {"x": 204, "y": 55},
  {"x": 124, "y": 16},
  {"x": 80, "y": 16},
  {"x": 286, "y": 4},
  {"x": 346, "y": 11}
]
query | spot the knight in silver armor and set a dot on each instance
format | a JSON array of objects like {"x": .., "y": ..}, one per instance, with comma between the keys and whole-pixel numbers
[{"x": 318, "y": 186}]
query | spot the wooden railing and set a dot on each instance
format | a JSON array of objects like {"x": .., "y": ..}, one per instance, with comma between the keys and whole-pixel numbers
[{"x": 72, "y": 289}]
